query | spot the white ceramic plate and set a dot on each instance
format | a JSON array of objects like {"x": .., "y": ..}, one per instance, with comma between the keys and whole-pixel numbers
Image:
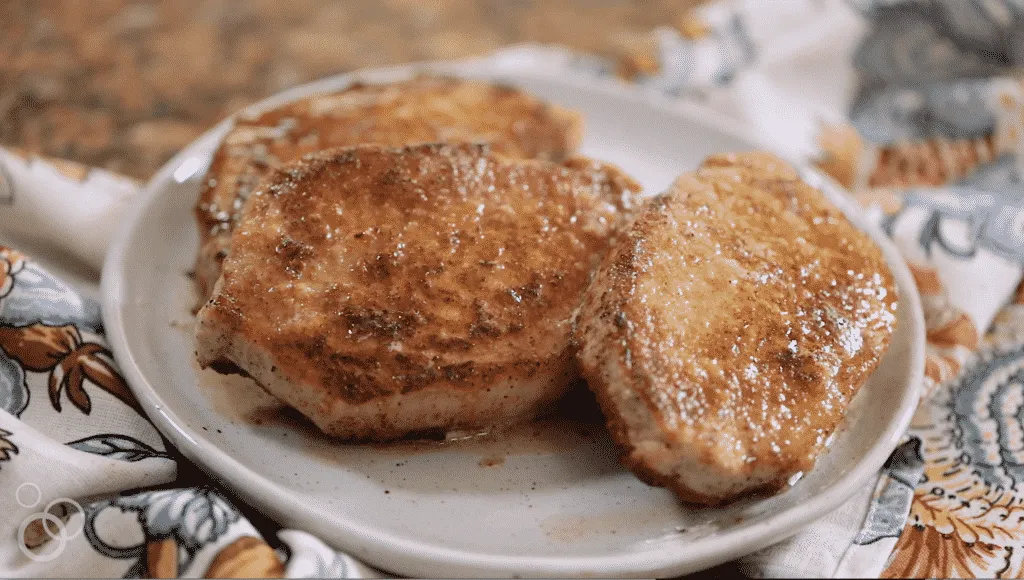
[{"x": 545, "y": 501}]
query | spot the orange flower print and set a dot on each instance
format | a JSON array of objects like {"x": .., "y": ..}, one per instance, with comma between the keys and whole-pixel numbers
[
  {"x": 176, "y": 525},
  {"x": 246, "y": 557},
  {"x": 11, "y": 262},
  {"x": 857, "y": 164},
  {"x": 967, "y": 515},
  {"x": 844, "y": 153},
  {"x": 924, "y": 552},
  {"x": 60, "y": 351},
  {"x": 951, "y": 333},
  {"x": 1009, "y": 323}
]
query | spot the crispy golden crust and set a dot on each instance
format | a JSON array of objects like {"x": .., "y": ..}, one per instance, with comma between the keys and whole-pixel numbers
[
  {"x": 425, "y": 109},
  {"x": 370, "y": 274},
  {"x": 727, "y": 333}
]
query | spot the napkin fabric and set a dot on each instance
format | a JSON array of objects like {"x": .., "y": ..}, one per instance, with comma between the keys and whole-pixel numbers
[{"x": 917, "y": 106}]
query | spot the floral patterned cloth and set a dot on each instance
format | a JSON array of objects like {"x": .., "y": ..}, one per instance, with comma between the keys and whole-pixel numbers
[
  {"x": 73, "y": 439},
  {"x": 916, "y": 106}
]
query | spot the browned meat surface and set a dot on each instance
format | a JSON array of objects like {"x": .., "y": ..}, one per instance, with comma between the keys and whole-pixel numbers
[
  {"x": 728, "y": 332},
  {"x": 425, "y": 109},
  {"x": 383, "y": 292}
]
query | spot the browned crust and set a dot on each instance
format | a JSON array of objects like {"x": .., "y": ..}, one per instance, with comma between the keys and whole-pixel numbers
[
  {"x": 621, "y": 267},
  {"x": 352, "y": 354},
  {"x": 423, "y": 109},
  {"x": 604, "y": 328}
]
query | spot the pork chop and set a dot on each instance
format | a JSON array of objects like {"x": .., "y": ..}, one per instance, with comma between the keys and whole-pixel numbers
[
  {"x": 385, "y": 292},
  {"x": 727, "y": 333},
  {"x": 424, "y": 109}
]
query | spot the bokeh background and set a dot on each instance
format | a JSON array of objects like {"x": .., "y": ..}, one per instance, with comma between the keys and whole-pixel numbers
[{"x": 123, "y": 84}]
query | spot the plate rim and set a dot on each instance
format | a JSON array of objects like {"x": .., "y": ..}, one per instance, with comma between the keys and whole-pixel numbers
[{"x": 407, "y": 556}]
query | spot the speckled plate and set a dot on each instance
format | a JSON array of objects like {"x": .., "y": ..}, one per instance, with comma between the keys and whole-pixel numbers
[{"x": 546, "y": 500}]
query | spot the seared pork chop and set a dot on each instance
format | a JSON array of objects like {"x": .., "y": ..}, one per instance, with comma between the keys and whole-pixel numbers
[
  {"x": 383, "y": 292},
  {"x": 424, "y": 109},
  {"x": 726, "y": 334}
]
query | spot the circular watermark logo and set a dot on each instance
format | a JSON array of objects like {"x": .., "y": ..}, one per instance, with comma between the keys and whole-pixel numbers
[
  {"x": 47, "y": 527},
  {"x": 25, "y": 491}
]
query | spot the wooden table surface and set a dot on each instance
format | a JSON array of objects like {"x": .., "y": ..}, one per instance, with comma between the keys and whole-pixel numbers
[{"x": 124, "y": 84}]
